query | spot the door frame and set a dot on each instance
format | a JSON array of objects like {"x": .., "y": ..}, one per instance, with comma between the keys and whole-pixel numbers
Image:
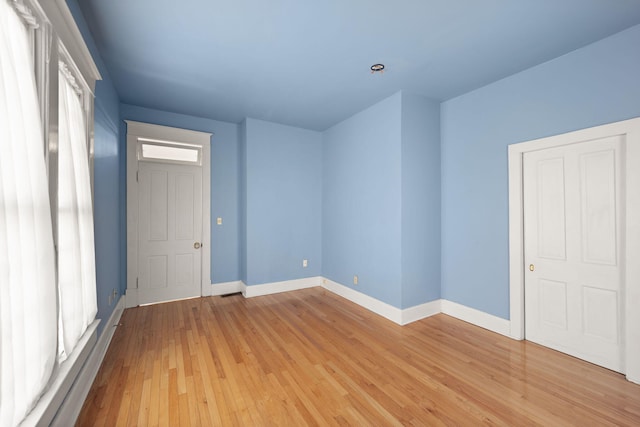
[
  {"x": 137, "y": 130},
  {"x": 630, "y": 130}
]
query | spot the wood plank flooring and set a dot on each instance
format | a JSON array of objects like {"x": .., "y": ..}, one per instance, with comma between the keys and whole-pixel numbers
[{"x": 312, "y": 358}]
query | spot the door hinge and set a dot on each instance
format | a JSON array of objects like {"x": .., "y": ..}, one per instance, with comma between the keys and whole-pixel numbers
[
  {"x": 137, "y": 176},
  {"x": 136, "y": 283}
]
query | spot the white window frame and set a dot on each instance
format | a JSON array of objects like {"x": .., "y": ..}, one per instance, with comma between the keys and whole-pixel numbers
[{"x": 57, "y": 36}]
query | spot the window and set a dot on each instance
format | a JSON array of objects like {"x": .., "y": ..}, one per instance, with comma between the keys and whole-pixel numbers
[
  {"x": 27, "y": 270},
  {"x": 76, "y": 253},
  {"x": 169, "y": 152},
  {"x": 47, "y": 308}
]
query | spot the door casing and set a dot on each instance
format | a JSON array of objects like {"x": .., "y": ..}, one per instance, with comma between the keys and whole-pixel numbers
[
  {"x": 630, "y": 130},
  {"x": 137, "y": 130}
]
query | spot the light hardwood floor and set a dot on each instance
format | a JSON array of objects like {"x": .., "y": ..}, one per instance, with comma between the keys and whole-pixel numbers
[{"x": 312, "y": 358}]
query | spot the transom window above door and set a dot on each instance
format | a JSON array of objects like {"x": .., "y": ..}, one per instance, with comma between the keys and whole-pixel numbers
[{"x": 155, "y": 150}]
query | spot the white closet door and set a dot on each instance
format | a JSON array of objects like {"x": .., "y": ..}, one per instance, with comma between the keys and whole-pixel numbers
[{"x": 573, "y": 227}]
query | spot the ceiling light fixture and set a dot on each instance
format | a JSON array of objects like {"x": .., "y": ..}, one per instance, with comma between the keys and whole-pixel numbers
[{"x": 377, "y": 68}]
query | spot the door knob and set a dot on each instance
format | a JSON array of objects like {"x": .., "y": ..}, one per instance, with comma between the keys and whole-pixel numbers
[
  {"x": 531, "y": 267},
  {"x": 197, "y": 245}
]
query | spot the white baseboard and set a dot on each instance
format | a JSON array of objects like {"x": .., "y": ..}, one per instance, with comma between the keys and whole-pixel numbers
[
  {"x": 421, "y": 311},
  {"x": 477, "y": 317},
  {"x": 224, "y": 288},
  {"x": 277, "y": 287},
  {"x": 381, "y": 308},
  {"x": 633, "y": 379},
  {"x": 412, "y": 314},
  {"x": 131, "y": 298},
  {"x": 399, "y": 316},
  {"x": 72, "y": 405}
]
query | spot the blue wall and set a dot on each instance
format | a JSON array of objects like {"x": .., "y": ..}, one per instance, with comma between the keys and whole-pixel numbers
[
  {"x": 408, "y": 195},
  {"x": 597, "y": 84},
  {"x": 361, "y": 201},
  {"x": 420, "y": 200},
  {"x": 107, "y": 201},
  {"x": 225, "y": 244},
  {"x": 381, "y": 201},
  {"x": 282, "y": 191}
]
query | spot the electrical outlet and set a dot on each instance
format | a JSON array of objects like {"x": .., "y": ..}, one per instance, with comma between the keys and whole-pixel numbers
[
  {"x": 305, "y": 263},
  {"x": 355, "y": 279},
  {"x": 219, "y": 221}
]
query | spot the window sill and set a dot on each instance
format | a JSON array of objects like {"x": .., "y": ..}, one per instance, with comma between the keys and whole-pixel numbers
[{"x": 62, "y": 380}]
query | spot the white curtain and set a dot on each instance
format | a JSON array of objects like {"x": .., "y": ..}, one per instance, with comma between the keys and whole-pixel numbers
[
  {"x": 76, "y": 253},
  {"x": 27, "y": 266}
]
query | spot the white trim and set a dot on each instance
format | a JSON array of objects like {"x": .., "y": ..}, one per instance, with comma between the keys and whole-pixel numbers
[
  {"x": 476, "y": 317},
  {"x": 401, "y": 317},
  {"x": 381, "y": 308},
  {"x": 205, "y": 276},
  {"x": 167, "y": 133},
  {"x": 131, "y": 293},
  {"x": 630, "y": 129},
  {"x": 632, "y": 254},
  {"x": 130, "y": 298},
  {"x": 27, "y": 16},
  {"x": 396, "y": 315},
  {"x": 277, "y": 287},
  {"x": 224, "y": 288},
  {"x": 67, "y": 30},
  {"x": 516, "y": 245},
  {"x": 62, "y": 380},
  {"x": 422, "y": 311},
  {"x": 72, "y": 405},
  {"x": 151, "y": 131},
  {"x": 418, "y": 312}
]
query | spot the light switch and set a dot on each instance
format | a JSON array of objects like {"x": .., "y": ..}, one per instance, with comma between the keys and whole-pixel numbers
[
  {"x": 219, "y": 221},
  {"x": 304, "y": 263}
]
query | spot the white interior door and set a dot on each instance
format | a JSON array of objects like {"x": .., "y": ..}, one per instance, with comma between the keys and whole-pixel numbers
[
  {"x": 169, "y": 231},
  {"x": 573, "y": 225}
]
